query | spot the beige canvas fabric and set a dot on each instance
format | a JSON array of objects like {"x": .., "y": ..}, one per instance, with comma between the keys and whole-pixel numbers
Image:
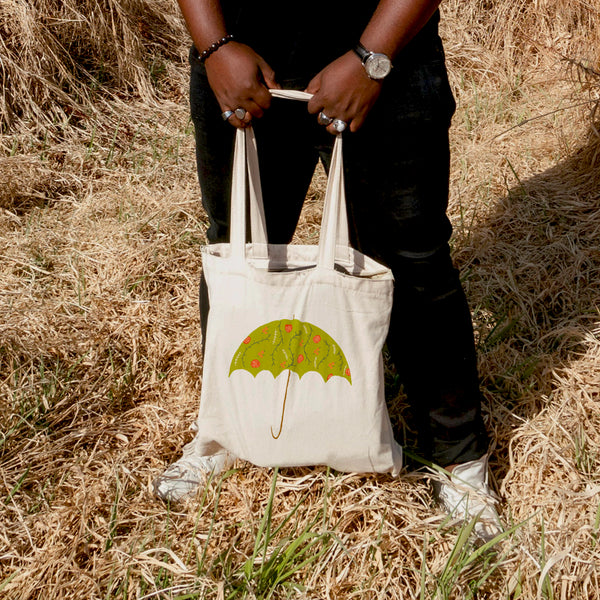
[{"x": 293, "y": 371}]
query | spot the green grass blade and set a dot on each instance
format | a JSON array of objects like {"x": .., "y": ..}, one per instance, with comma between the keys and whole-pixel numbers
[{"x": 17, "y": 486}]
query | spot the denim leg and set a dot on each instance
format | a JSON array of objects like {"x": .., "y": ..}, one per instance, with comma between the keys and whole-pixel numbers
[
  {"x": 214, "y": 153},
  {"x": 397, "y": 170}
]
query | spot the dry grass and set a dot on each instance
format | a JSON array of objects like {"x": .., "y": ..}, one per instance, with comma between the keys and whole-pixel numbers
[
  {"x": 100, "y": 364},
  {"x": 63, "y": 62}
]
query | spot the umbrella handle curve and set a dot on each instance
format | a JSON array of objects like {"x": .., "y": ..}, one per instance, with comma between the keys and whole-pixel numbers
[{"x": 275, "y": 437}]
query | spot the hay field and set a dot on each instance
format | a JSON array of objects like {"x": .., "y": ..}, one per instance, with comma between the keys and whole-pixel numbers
[{"x": 100, "y": 361}]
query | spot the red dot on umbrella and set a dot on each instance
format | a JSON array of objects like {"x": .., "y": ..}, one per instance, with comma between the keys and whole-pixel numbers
[
  {"x": 255, "y": 364},
  {"x": 329, "y": 376},
  {"x": 247, "y": 340},
  {"x": 288, "y": 327},
  {"x": 300, "y": 358},
  {"x": 347, "y": 372},
  {"x": 317, "y": 339}
]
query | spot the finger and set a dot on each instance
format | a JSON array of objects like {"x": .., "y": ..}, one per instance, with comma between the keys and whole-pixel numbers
[
  {"x": 268, "y": 76},
  {"x": 314, "y": 85},
  {"x": 241, "y": 122},
  {"x": 252, "y": 110},
  {"x": 259, "y": 100},
  {"x": 235, "y": 121},
  {"x": 335, "y": 129},
  {"x": 324, "y": 119},
  {"x": 247, "y": 120},
  {"x": 315, "y": 104},
  {"x": 356, "y": 123}
]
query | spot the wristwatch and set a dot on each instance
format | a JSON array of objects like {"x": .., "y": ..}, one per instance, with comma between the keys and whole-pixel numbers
[{"x": 376, "y": 64}]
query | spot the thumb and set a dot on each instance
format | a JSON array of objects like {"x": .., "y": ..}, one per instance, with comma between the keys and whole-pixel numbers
[
  {"x": 314, "y": 85},
  {"x": 268, "y": 75}
]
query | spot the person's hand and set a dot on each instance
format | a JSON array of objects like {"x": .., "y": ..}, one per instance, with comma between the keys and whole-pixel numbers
[
  {"x": 240, "y": 78},
  {"x": 342, "y": 90}
]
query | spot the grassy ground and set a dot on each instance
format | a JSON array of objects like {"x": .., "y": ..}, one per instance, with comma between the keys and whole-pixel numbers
[{"x": 100, "y": 362}]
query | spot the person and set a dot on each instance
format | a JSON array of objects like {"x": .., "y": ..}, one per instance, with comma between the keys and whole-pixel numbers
[{"x": 377, "y": 73}]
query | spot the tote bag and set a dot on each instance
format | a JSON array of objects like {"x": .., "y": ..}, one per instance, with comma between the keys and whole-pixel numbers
[{"x": 293, "y": 371}]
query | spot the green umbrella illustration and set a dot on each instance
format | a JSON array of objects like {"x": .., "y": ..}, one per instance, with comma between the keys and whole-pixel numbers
[{"x": 292, "y": 345}]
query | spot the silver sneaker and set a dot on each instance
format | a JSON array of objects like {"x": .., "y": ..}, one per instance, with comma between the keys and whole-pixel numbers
[
  {"x": 466, "y": 495},
  {"x": 184, "y": 477}
]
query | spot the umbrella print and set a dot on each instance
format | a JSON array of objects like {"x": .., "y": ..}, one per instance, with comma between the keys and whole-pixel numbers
[{"x": 292, "y": 345}]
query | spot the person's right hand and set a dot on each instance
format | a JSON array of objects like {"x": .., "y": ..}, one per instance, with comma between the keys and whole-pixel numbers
[{"x": 240, "y": 78}]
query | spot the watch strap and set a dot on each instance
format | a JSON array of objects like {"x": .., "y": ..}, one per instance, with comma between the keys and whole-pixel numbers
[{"x": 362, "y": 52}]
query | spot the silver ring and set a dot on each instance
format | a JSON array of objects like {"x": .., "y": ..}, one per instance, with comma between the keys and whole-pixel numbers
[
  {"x": 227, "y": 115},
  {"x": 339, "y": 125},
  {"x": 323, "y": 119},
  {"x": 240, "y": 113}
]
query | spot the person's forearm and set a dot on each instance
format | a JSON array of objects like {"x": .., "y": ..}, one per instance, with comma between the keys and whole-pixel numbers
[
  {"x": 204, "y": 20},
  {"x": 395, "y": 23}
]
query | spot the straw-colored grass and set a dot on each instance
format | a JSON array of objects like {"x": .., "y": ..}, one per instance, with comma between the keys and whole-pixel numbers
[
  {"x": 63, "y": 62},
  {"x": 100, "y": 360}
]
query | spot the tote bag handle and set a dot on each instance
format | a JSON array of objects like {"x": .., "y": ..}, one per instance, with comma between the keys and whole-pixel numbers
[
  {"x": 245, "y": 162},
  {"x": 334, "y": 224}
]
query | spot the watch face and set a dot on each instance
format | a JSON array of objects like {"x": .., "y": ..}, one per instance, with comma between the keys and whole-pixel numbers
[{"x": 378, "y": 66}]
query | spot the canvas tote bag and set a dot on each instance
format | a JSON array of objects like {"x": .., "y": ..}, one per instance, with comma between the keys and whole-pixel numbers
[{"x": 293, "y": 371}]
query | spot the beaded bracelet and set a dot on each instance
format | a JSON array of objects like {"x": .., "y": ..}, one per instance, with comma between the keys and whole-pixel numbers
[{"x": 202, "y": 56}]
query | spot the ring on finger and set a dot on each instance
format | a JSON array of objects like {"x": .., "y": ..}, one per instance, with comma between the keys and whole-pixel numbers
[
  {"x": 339, "y": 125},
  {"x": 240, "y": 113},
  {"x": 323, "y": 119},
  {"x": 226, "y": 115}
]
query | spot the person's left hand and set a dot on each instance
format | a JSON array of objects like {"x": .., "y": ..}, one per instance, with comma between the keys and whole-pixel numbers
[{"x": 342, "y": 90}]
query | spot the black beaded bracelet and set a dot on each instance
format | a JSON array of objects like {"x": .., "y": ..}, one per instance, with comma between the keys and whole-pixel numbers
[{"x": 202, "y": 56}]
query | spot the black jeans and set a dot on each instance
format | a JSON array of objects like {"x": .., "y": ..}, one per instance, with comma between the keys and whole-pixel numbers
[{"x": 396, "y": 172}]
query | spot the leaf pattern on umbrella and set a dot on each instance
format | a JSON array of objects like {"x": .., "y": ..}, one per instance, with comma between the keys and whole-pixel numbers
[{"x": 292, "y": 345}]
